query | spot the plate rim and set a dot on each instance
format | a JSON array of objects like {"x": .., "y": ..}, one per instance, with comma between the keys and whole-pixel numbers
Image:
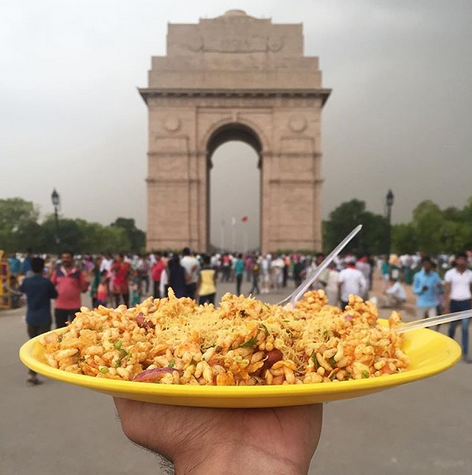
[{"x": 451, "y": 348}]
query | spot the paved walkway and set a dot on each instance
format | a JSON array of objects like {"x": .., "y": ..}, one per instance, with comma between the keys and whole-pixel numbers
[{"x": 55, "y": 429}]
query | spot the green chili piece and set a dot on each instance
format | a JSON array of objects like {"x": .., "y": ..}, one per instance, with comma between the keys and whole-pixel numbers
[
  {"x": 250, "y": 343},
  {"x": 103, "y": 369},
  {"x": 365, "y": 374},
  {"x": 118, "y": 344}
]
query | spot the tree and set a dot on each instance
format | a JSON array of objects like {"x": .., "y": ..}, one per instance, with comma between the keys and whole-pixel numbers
[
  {"x": 70, "y": 234},
  {"x": 345, "y": 218},
  {"x": 18, "y": 218},
  {"x": 137, "y": 238},
  {"x": 404, "y": 239}
]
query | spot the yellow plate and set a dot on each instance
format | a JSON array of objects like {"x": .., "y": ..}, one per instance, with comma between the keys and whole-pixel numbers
[{"x": 430, "y": 353}]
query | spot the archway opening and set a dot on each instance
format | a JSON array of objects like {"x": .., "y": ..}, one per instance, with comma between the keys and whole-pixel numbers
[{"x": 234, "y": 189}]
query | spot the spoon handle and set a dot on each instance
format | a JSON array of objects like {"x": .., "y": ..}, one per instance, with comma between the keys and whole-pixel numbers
[
  {"x": 433, "y": 321},
  {"x": 305, "y": 285}
]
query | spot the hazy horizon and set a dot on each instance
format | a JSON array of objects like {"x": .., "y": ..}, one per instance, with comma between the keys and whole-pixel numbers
[{"x": 399, "y": 115}]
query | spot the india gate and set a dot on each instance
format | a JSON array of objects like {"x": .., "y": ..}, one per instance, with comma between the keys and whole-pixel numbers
[{"x": 234, "y": 77}]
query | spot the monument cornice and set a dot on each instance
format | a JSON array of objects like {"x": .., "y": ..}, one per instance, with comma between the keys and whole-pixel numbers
[
  {"x": 296, "y": 181},
  {"x": 316, "y": 93}
]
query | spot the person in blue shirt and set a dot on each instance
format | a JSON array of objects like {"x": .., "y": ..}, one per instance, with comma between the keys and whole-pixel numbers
[
  {"x": 239, "y": 271},
  {"x": 427, "y": 286},
  {"x": 26, "y": 266},
  {"x": 39, "y": 292},
  {"x": 15, "y": 265}
]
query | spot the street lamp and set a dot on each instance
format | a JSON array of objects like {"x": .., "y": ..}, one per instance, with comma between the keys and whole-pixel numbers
[
  {"x": 389, "y": 200},
  {"x": 56, "y": 201}
]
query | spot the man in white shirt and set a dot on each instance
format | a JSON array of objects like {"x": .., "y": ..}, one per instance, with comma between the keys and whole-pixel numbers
[
  {"x": 395, "y": 295},
  {"x": 192, "y": 267},
  {"x": 277, "y": 266},
  {"x": 351, "y": 281},
  {"x": 458, "y": 297},
  {"x": 265, "y": 273},
  {"x": 332, "y": 287}
]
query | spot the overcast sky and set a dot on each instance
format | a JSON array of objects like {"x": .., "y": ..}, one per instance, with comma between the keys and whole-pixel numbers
[{"x": 400, "y": 114}]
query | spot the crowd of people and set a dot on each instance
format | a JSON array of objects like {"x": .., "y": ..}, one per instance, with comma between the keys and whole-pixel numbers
[{"x": 128, "y": 279}]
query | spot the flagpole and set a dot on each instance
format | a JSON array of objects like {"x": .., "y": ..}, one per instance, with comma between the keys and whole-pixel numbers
[
  {"x": 233, "y": 234},
  {"x": 244, "y": 219}
]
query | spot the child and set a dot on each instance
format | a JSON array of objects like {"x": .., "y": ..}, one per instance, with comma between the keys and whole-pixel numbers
[
  {"x": 102, "y": 289},
  {"x": 39, "y": 292},
  {"x": 136, "y": 289}
]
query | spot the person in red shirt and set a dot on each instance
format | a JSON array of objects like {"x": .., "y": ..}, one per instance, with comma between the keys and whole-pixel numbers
[
  {"x": 70, "y": 282},
  {"x": 120, "y": 286},
  {"x": 156, "y": 274}
]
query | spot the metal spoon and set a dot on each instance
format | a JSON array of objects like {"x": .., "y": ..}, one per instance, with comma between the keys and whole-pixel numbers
[
  {"x": 433, "y": 321},
  {"x": 297, "y": 294}
]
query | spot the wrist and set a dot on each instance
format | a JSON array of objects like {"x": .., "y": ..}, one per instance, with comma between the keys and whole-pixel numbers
[{"x": 238, "y": 459}]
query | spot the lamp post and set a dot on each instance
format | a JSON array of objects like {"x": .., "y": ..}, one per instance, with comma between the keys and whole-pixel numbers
[
  {"x": 389, "y": 200},
  {"x": 56, "y": 201}
]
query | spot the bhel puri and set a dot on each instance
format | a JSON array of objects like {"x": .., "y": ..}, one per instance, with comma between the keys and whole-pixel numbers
[{"x": 242, "y": 342}]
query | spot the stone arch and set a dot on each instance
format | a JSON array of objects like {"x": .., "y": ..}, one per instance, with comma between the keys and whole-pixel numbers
[
  {"x": 227, "y": 131},
  {"x": 259, "y": 141},
  {"x": 234, "y": 77}
]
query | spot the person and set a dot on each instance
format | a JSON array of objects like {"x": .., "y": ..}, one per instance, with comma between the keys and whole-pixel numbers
[
  {"x": 277, "y": 267},
  {"x": 264, "y": 271},
  {"x": 363, "y": 265},
  {"x": 48, "y": 267},
  {"x": 177, "y": 277},
  {"x": 39, "y": 292},
  {"x": 239, "y": 272},
  {"x": 191, "y": 265},
  {"x": 426, "y": 287},
  {"x": 120, "y": 284},
  {"x": 231, "y": 441},
  {"x": 321, "y": 282},
  {"x": 385, "y": 270},
  {"x": 332, "y": 286},
  {"x": 164, "y": 282},
  {"x": 395, "y": 295},
  {"x": 458, "y": 297},
  {"x": 248, "y": 267},
  {"x": 298, "y": 270},
  {"x": 225, "y": 268},
  {"x": 102, "y": 289},
  {"x": 207, "y": 282},
  {"x": 395, "y": 270},
  {"x": 15, "y": 266},
  {"x": 143, "y": 270},
  {"x": 288, "y": 263},
  {"x": 156, "y": 274},
  {"x": 255, "y": 278},
  {"x": 351, "y": 281},
  {"x": 136, "y": 288},
  {"x": 26, "y": 266},
  {"x": 96, "y": 277},
  {"x": 70, "y": 282},
  {"x": 440, "y": 307},
  {"x": 107, "y": 262}
]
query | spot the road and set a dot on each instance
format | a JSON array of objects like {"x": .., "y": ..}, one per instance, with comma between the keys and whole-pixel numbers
[{"x": 56, "y": 429}]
